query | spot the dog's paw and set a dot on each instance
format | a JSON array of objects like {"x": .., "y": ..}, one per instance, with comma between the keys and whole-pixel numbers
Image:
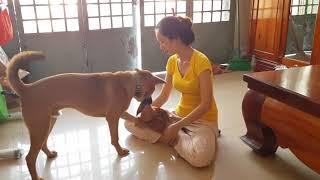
[
  {"x": 52, "y": 154},
  {"x": 123, "y": 152}
]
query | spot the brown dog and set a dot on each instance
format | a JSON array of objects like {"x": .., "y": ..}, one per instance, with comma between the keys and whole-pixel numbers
[
  {"x": 154, "y": 118},
  {"x": 94, "y": 94}
]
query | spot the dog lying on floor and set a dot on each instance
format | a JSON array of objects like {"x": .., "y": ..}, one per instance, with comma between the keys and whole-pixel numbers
[
  {"x": 94, "y": 94},
  {"x": 154, "y": 118}
]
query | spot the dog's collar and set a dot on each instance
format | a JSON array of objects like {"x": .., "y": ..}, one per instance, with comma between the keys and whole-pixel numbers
[{"x": 138, "y": 90}]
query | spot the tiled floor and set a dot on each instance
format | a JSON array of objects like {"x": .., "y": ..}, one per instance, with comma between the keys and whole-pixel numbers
[{"x": 85, "y": 152}]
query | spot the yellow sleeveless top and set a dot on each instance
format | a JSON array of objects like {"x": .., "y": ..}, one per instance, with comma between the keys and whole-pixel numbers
[{"x": 189, "y": 85}]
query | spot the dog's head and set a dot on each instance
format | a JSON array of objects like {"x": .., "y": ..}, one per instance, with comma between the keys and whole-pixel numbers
[
  {"x": 146, "y": 82},
  {"x": 155, "y": 118},
  {"x": 148, "y": 113}
]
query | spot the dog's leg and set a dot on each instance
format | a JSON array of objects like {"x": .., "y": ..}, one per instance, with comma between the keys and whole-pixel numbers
[
  {"x": 45, "y": 149},
  {"x": 37, "y": 138},
  {"x": 113, "y": 122}
]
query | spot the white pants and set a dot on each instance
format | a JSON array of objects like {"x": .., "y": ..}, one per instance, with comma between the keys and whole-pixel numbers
[{"x": 196, "y": 144}]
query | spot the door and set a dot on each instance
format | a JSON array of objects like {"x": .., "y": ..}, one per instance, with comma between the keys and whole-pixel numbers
[
  {"x": 302, "y": 37},
  {"x": 104, "y": 35},
  {"x": 83, "y": 36},
  {"x": 111, "y": 35},
  {"x": 268, "y": 38},
  {"x": 214, "y": 26},
  {"x": 152, "y": 12},
  {"x": 213, "y": 22},
  {"x": 54, "y": 27}
]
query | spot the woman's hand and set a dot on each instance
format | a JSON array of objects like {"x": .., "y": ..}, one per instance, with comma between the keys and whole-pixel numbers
[{"x": 170, "y": 134}]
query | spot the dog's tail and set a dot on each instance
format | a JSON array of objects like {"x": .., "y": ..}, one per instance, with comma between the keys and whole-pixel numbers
[{"x": 20, "y": 61}]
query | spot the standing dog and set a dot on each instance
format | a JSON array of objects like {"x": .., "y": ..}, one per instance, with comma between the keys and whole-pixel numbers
[{"x": 94, "y": 94}]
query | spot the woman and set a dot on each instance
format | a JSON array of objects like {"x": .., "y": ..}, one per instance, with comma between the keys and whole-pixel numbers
[{"x": 189, "y": 72}]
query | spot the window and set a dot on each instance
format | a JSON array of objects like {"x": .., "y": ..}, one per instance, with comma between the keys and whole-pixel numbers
[
  {"x": 302, "y": 7},
  {"x": 3, "y": 2},
  {"x": 205, "y": 11},
  {"x": 155, "y": 10},
  {"x": 107, "y": 14},
  {"x": 45, "y": 16},
  {"x": 3, "y": 5}
]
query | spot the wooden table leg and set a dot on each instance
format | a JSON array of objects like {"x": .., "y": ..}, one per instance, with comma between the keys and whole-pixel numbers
[
  {"x": 294, "y": 129},
  {"x": 259, "y": 137}
]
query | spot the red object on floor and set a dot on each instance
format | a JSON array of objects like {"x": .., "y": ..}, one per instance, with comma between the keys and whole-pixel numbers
[{"x": 6, "y": 31}]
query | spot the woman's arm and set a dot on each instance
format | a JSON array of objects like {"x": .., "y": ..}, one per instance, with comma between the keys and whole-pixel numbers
[
  {"x": 165, "y": 92},
  {"x": 206, "y": 100}
]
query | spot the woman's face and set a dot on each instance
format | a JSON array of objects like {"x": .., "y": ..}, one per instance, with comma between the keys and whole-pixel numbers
[{"x": 166, "y": 44}]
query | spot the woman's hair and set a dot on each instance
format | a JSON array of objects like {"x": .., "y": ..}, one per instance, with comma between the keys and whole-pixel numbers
[{"x": 174, "y": 27}]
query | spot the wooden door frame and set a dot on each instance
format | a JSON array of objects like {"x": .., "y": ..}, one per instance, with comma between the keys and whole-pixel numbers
[
  {"x": 315, "y": 55},
  {"x": 266, "y": 60},
  {"x": 253, "y": 24}
]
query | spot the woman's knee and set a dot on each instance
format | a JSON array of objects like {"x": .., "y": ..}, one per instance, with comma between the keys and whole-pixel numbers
[
  {"x": 201, "y": 153},
  {"x": 202, "y": 158},
  {"x": 145, "y": 134}
]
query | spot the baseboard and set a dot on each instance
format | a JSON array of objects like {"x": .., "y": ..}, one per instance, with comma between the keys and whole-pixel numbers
[{"x": 264, "y": 65}]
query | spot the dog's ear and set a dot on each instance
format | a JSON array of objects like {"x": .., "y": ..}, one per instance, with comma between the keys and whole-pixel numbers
[{"x": 158, "y": 80}]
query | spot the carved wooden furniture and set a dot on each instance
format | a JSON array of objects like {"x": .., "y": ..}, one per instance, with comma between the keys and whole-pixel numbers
[
  {"x": 268, "y": 32},
  {"x": 282, "y": 108},
  {"x": 268, "y": 35}
]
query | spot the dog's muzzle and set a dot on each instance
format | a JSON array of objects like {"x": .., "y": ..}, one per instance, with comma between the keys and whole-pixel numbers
[{"x": 145, "y": 102}]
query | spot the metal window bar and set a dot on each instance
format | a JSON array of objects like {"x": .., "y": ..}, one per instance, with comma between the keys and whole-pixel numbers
[
  {"x": 49, "y": 6},
  {"x": 308, "y": 3},
  {"x": 154, "y": 13},
  {"x": 64, "y": 15},
  {"x": 35, "y": 14},
  {"x": 174, "y": 10},
  {"x": 165, "y": 7},
  {"x": 221, "y": 7},
  {"x": 111, "y": 14},
  {"x": 122, "y": 16},
  {"x": 212, "y": 10},
  {"x": 202, "y": 11},
  {"x": 99, "y": 17}
]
